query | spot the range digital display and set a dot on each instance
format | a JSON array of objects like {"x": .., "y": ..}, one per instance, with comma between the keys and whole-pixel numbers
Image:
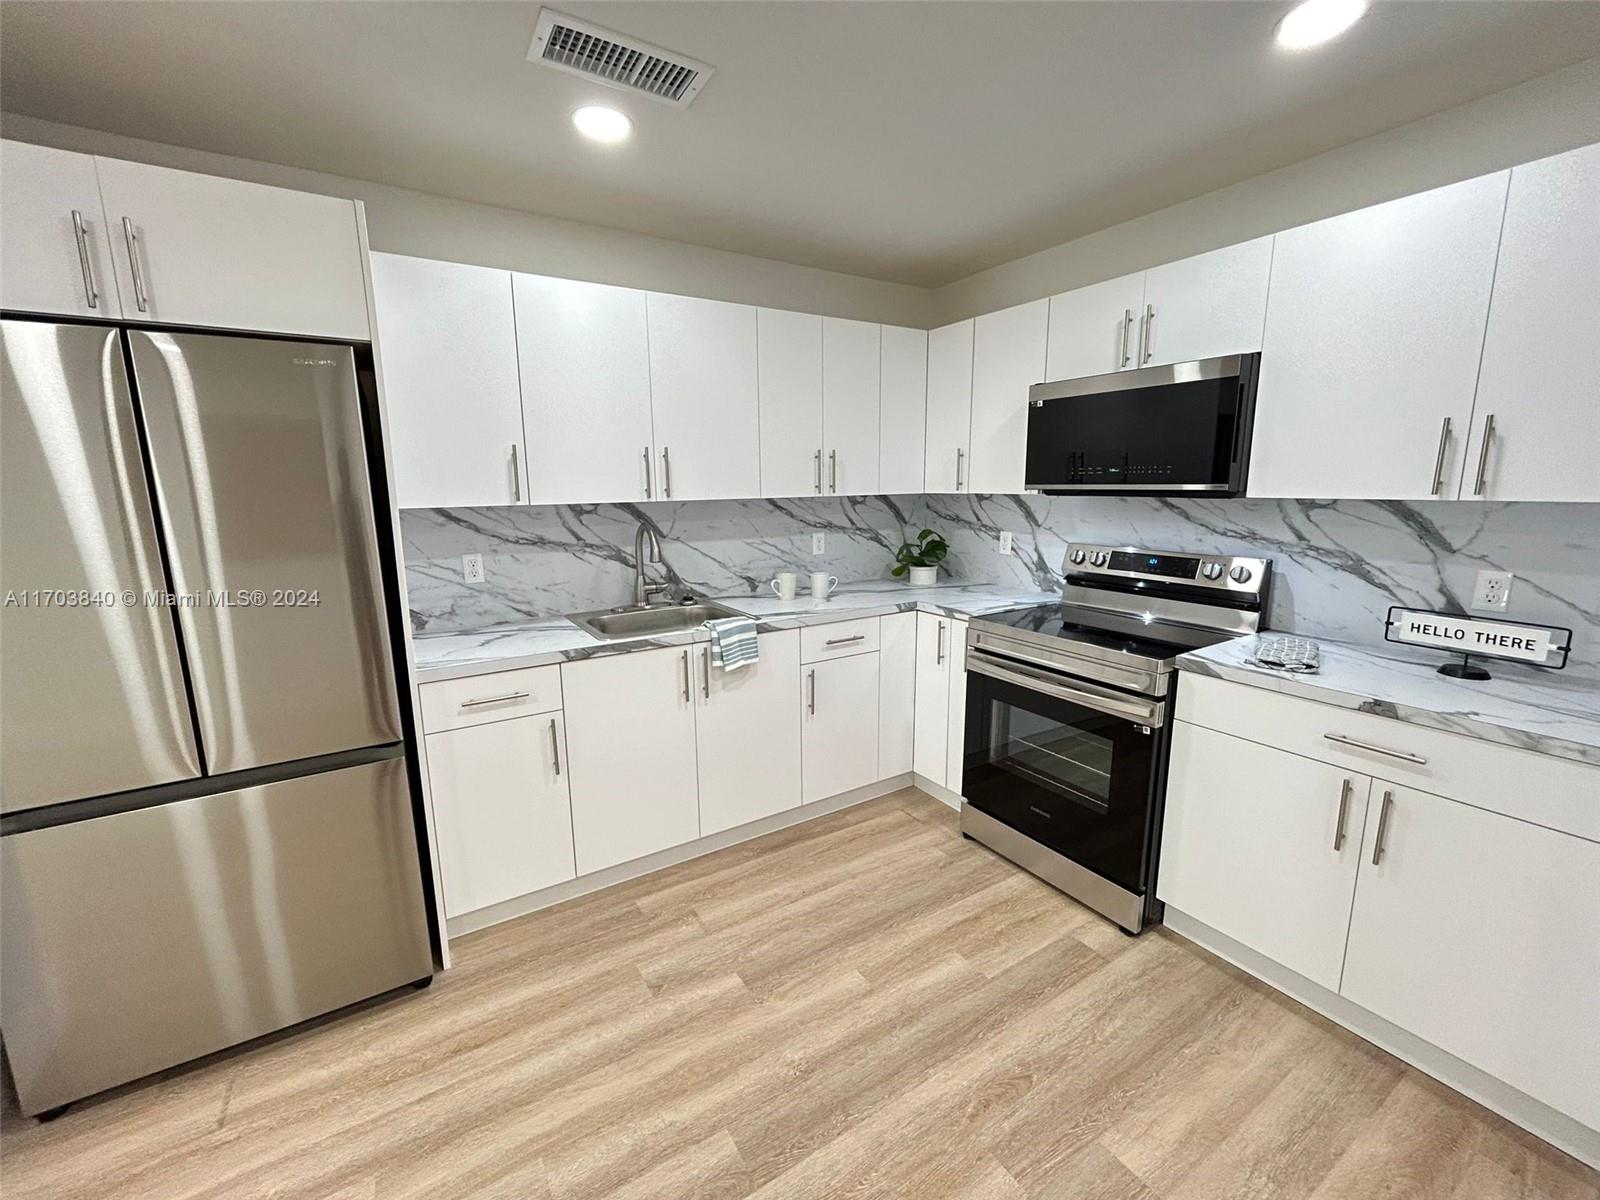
[{"x": 1171, "y": 566}]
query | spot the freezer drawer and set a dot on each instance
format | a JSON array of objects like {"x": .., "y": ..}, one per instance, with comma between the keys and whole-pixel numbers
[
  {"x": 263, "y": 489},
  {"x": 93, "y": 689},
  {"x": 137, "y": 941}
]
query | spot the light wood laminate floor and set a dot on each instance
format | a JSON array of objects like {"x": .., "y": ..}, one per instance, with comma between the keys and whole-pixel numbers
[{"x": 863, "y": 1006}]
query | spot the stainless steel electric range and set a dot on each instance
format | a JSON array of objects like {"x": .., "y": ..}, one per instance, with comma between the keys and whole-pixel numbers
[{"x": 1068, "y": 714}]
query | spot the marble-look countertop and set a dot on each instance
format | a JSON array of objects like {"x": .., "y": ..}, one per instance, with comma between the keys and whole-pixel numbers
[
  {"x": 504, "y": 647},
  {"x": 1544, "y": 712}
]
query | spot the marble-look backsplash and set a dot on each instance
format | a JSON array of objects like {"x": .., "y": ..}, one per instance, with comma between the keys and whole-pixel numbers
[{"x": 1339, "y": 564}]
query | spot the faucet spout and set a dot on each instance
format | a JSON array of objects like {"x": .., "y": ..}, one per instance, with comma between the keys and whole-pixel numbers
[{"x": 644, "y": 539}]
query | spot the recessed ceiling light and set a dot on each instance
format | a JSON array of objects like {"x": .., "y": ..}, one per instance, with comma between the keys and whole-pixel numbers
[
  {"x": 602, "y": 124},
  {"x": 1316, "y": 21}
]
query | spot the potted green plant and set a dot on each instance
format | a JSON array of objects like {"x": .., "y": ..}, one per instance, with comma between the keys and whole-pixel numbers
[{"x": 920, "y": 559}]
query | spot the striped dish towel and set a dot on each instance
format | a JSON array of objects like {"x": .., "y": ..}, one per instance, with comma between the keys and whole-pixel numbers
[{"x": 733, "y": 642}]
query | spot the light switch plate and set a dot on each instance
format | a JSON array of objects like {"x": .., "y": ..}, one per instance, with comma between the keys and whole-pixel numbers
[
  {"x": 472, "y": 568},
  {"x": 1005, "y": 541},
  {"x": 819, "y": 543},
  {"x": 1492, "y": 592}
]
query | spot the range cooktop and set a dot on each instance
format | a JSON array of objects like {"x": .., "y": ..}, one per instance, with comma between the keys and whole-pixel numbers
[{"x": 1131, "y": 634}]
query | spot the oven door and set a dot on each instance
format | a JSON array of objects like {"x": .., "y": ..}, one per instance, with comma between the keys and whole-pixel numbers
[{"x": 1068, "y": 763}]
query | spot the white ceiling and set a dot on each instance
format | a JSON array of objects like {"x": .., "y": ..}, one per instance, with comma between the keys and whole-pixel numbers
[{"x": 915, "y": 142}]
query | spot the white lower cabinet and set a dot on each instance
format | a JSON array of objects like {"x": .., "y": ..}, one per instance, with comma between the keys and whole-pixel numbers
[
  {"x": 955, "y": 728},
  {"x": 897, "y": 693},
  {"x": 748, "y": 739},
  {"x": 941, "y": 705},
  {"x": 840, "y": 748},
  {"x": 1481, "y": 934},
  {"x": 631, "y": 737},
  {"x": 501, "y": 811}
]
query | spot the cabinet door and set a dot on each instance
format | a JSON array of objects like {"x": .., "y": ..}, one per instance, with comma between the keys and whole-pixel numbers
[
  {"x": 948, "y": 460},
  {"x": 1206, "y": 306},
  {"x": 747, "y": 734},
  {"x": 199, "y": 250},
  {"x": 1008, "y": 357},
  {"x": 1095, "y": 329},
  {"x": 897, "y": 692},
  {"x": 1481, "y": 934},
  {"x": 703, "y": 397},
  {"x": 851, "y": 377},
  {"x": 932, "y": 731},
  {"x": 903, "y": 416},
  {"x": 1248, "y": 847},
  {"x": 1541, "y": 356},
  {"x": 448, "y": 347},
  {"x": 839, "y": 720},
  {"x": 500, "y": 810},
  {"x": 584, "y": 359},
  {"x": 1375, "y": 323},
  {"x": 789, "y": 371},
  {"x": 55, "y": 256},
  {"x": 955, "y": 735},
  {"x": 631, "y": 745}
]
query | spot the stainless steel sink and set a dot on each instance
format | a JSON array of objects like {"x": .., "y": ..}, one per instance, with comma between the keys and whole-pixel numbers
[{"x": 615, "y": 624}]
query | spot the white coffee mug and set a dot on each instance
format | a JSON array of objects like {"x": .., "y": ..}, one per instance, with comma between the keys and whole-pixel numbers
[
  {"x": 822, "y": 584},
  {"x": 783, "y": 586}
]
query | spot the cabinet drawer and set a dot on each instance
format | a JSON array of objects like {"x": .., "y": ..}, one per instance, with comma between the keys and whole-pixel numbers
[
  {"x": 478, "y": 699},
  {"x": 835, "y": 640},
  {"x": 1553, "y": 792}
]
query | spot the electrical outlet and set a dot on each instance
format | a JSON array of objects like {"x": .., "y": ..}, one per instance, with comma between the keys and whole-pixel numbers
[
  {"x": 819, "y": 543},
  {"x": 1005, "y": 541},
  {"x": 472, "y": 568},
  {"x": 1492, "y": 591}
]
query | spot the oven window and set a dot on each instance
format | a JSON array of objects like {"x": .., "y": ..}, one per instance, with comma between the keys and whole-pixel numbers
[{"x": 1070, "y": 762}]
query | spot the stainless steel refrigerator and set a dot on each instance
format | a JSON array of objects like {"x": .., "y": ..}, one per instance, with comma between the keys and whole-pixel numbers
[{"x": 208, "y": 827}]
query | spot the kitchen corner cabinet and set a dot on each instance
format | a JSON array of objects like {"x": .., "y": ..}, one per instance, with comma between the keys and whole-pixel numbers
[
  {"x": 501, "y": 811},
  {"x": 1008, "y": 357},
  {"x": 1375, "y": 326},
  {"x": 55, "y": 256},
  {"x": 583, "y": 353},
  {"x": 1252, "y": 844},
  {"x": 851, "y": 378},
  {"x": 448, "y": 346},
  {"x": 938, "y": 739},
  {"x": 903, "y": 414},
  {"x": 948, "y": 456},
  {"x": 704, "y": 398},
  {"x": 196, "y": 249},
  {"x": 747, "y": 736},
  {"x": 631, "y": 741},
  {"x": 789, "y": 377},
  {"x": 897, "y": 693},
  {"x": 839, "y": 733},
  {"x": 1540, "y": 380}
]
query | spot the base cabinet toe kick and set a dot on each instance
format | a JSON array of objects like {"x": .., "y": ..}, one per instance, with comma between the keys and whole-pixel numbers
[{"x": 1451, "y": 917}]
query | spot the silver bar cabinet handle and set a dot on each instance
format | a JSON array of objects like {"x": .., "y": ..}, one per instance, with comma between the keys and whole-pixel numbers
[
  {"x": 132, "y": 239},
  {"x": 494, "y": 699},
  {"x": 1127, "y": 331},
  {"x": 1344, "y": 811},
  {"x": 845, "y": 641},
  {"x": 1376, "y": 749},
  {"x": 1483, "y": 455},
  {"x": 1438, "y": 461},
  {"x": 811, "y": 701},
  {"x": 666, "y": 472},
  {"x": 817, "y": 465},
  {"x": 647, "y": 472},
  {"x": 555, "y": 747},
  {"x": 939, "y": 659},
  {"x": 1149, "y": 324},
  {"x": 960, "y": 454},
  {"x": 1383, "y": 827},
  {"x": 833, "y": 470},
  {"x": 90, "y": 292},
  {"x": 516, "y": 475},
  {"x": 686, "y": 693},
  {"x": 705, "y": 672}
]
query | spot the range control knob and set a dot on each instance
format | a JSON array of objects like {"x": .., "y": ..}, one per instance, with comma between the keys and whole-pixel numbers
[
  {"x": 1099, "y": 558},
  {"x": 1078, "y": 556},
  {"x": 1211, "y": 571},
  {"x": 1240, "y": 574}
]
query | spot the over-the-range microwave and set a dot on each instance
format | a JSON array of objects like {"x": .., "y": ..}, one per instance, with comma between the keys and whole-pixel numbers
[{"x": 1177, "y": 429}]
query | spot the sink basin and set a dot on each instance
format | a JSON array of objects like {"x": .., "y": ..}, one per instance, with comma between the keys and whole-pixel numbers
[{"x": 613, "y": 624}]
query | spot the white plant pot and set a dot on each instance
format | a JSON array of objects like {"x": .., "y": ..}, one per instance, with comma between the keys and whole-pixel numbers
[{"x": 922, "y": 576}]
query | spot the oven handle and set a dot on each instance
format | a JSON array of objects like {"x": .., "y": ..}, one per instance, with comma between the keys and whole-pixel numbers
[{"x": 1145, "y": 712}]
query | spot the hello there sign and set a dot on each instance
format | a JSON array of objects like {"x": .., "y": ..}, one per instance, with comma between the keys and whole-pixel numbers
[{"x": 1540, "y": 645}]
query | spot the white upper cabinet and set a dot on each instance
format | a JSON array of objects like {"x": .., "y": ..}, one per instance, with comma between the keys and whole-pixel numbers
[
  {"x": 903, "y": 418},
  {"x": 703, "y": 395},
  {"x": 198, "y": 250},
  {"x": 55, "y": 256},
  {"x": 1095, "y": 330},
  {"x": 747, "y": 735},
  {"x": 447, "y": 345},
  {"x": 789, "y": 370},
  {"x": 1540, "y": 382},
  {"x": 948, "y": 458},
  {"x": 1375, "y": 324},
  {"x": 1206, "y": 306},
  {"x": 584, "y": 358},
  {"x": 851, "y": 374},
  {"x": 1008, "y": 357}
]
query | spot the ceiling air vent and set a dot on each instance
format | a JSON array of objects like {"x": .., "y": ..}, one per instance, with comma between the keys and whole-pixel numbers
[{"x": 626, "y": 63}]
